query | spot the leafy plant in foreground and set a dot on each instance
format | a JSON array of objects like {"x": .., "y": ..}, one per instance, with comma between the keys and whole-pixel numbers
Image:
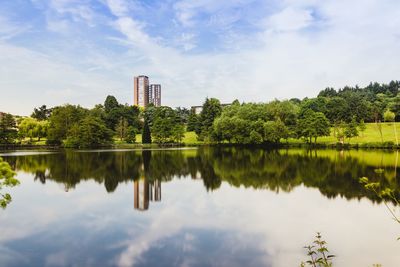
[
  {"x": 6, "y": 179},
  {"x": 318, "y": 253},
  {"x": 382, "y": 193}
]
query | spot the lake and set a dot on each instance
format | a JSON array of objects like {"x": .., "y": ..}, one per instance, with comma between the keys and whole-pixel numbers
[{"x": 197, "y": 207}]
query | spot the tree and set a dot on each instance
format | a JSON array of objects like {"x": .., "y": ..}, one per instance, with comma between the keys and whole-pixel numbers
[
  {"x": 8, "y": 131},
  {"x": 193, "y": 122},
  {"x": 27, "y": 128},
  {"x": 379, "y": 126},
  {"x": 314, "y": 104},
  {"x": 167, "y": 125},
  {"x": 110, "y": 103},
  {"x": 41, "y": 129},
  {"x": 274, "y": 131},
  {"x": 351, "y": 130},
  {"x": 390, "y": 117},
  {"x": 62, "y": 120},
  {"x": 183, "y": 114},
  {"x": 130, "y": 135},
  {"x": 178, "y": 133},
  {"x": 211, "y": 110},
  {"x": 7, "y": 178},
  {"x": 223, "y": 129},
  {"x": 362, "y": 127},
  {"x": 42, "y": 113},
  {"x": 91, "y": 132},
  {"x": 313, "y": 125},
  {"x": 255, "y": 137},
  {"x": 162, "y": 130},
  {"x": 337, "y": 109},
  {"x": 122, "y": 128},
  {"x": 146, "y": 134}
]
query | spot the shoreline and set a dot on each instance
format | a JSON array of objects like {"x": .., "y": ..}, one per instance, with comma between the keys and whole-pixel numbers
[{"x": 338, "y": 146}]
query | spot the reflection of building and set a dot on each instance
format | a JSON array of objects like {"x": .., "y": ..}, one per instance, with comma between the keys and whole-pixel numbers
[
  {"x": 141, "y": 194},
  {"x": 155, "y": 191},
  {"x": 144, "y": 192}
]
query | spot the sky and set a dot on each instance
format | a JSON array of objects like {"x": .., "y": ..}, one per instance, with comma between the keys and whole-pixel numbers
[{"x": 55, "y": 52}]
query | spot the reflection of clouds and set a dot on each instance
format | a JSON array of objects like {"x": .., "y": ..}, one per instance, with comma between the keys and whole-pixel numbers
[
  {"x": 273, "y": 226},
  {"x": 8, "y": 256},
  {"x": 58, "y": 259},
  {"x": 192, "y": 207},
  {"x": 284, "y": 222}
]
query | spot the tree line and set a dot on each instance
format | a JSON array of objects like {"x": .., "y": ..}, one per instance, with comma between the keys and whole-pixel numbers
[
  {"x": 344, "y": 111},
  {"x": 78, "y": 127}
]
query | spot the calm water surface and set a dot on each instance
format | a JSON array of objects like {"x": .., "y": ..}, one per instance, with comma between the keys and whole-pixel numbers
[{"x": 197, "y": 207}]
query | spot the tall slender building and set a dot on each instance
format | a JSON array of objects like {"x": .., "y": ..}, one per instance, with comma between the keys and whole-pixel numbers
[
  {"x": 155, "y": 92},
  {"x": 141, "y": 91}
]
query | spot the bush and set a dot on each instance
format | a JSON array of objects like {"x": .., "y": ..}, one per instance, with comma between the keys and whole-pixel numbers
[{"x": 131, "y": 135}]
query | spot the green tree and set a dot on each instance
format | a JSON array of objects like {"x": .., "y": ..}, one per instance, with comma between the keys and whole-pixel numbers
[
  {"x": 390, "y": 117},
  {"x": 271, "y": 134},
  {"x": 8, "y": 131},
  {"x": 167, "y": 125},
  {"x": 91, "y": 132},
  {"x": 7, "y": 179},
  {"x": 146, "y": 134},
  {"x": 211, "y": 110},
  {"x": 313, "y": 125},
  {"x": 178, "y": 133},
  {"x": 41, "y": 129},
  {"x": 61, "y": 121},
  {"x": 193, "y": 122},
  {"x": 379, "y": 126},
  {"x": 183, "y": 114},
  {"x": 362, "y": 127},
  {"x": 122, "y": 128},
  {"x": 110, "y": 103},
  {"x": 27, "y": 128},
  {"x": 351, "y": 130},
  {"x": 42, "y": 113},
  {"x": 131, "y": 135},
  {"x": 162, "y": 130},
  {"x": 255, "y": 137}
]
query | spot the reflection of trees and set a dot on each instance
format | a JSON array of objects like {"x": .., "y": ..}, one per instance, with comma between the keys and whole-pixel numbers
[{"x": 329, "y": 171}]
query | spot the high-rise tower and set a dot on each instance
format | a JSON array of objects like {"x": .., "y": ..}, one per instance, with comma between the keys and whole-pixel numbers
[
  {"x": 141, "y": 91},
  {"x": 155, "y": 92}
]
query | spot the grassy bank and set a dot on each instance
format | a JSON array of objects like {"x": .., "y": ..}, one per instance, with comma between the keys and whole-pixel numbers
[{"x": 370, "y": 138}]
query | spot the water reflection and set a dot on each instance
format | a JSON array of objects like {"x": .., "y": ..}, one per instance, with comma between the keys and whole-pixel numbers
[
  {"x": 144, "y": 192},
  {"x": 220, "y": 207},
  {"x": 334, "y": 173}
]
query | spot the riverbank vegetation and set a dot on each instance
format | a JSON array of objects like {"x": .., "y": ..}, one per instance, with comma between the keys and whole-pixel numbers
[{"x": 349, "y": 116}]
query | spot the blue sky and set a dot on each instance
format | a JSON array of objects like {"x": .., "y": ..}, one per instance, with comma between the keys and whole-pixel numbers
[{"x": 79, "y": 51}]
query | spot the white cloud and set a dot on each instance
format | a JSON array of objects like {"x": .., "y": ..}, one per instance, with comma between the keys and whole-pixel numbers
[
  {"x": 301, "y": 47},
  {"x": 29, "y": 79},
  {"x": 290, "y": 19}
]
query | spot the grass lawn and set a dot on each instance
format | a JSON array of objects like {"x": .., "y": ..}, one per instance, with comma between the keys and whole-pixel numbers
[
  {"x": 190, "y": 138},
  {"x": 370, "y": 135},
  {"x": 34, "y": 142}
]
